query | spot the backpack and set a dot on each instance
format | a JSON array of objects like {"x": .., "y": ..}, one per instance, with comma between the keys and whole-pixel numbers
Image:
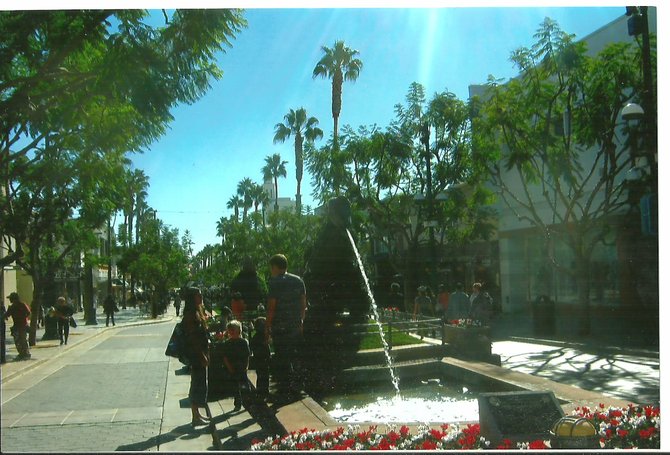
[{"x": 177, "y": 345}]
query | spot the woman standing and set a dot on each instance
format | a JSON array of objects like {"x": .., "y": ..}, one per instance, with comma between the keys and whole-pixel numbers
[
  {"x": 63, "y": 313},
  {"x": 194, "y": 322}
]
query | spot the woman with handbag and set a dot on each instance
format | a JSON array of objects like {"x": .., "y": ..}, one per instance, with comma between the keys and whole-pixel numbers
[
  {"x": 64, "y": 312},
  {"x": 194, "y": 323}
]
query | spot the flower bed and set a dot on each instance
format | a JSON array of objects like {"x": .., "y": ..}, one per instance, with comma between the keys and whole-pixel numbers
[{"x": 619, "y": 428}]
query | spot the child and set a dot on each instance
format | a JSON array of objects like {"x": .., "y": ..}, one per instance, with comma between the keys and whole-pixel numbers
[
  {"x": 236, "y": 357},
  {"x": 261, "y": 352}
]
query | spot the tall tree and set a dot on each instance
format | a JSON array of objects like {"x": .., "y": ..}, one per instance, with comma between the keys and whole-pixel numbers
[
  {"x": 234, "y": 203},
  {"x": 339, "y": 63},
  {"x": 273, "y": 169},
  {"x": 259, "y": 196},
  {"x": 552, "y": 139},
  {"x": 78, "y": 90},
  {"x": 297, "y": 124},
  {"x": 382, "y": 171},
  {"x": 245, "y": 191}
]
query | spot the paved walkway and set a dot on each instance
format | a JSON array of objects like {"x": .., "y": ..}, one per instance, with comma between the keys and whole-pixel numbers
[{"x": 627, "y": 372}]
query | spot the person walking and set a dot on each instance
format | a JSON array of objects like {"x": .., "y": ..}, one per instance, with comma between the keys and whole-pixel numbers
[
  {"x": 236, "y": 358},
  {"x": 481, "y": 305},
  {"x": 422, "y": 302},
  {"x": 109, "y": 307},
  {"x": 194, "y": 322},
  {"x": 177, "y": 302},
  {"x": 442, "y": 302},
  {"x": 19, "y": 312},
  {"x": 260, "y": 350},
  {"x": 64, "y": 312},
  {"x": 287, "y": 303},
  {"x": 459, "y": 304}
]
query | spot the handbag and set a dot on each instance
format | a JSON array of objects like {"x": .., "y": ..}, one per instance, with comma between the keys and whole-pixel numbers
[
  {"x": 73, "y": 323},
  {"x": 176, "y": 346}
]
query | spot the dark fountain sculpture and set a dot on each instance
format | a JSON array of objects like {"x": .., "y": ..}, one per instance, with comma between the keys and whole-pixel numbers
[{"x": 338, "y": 302}]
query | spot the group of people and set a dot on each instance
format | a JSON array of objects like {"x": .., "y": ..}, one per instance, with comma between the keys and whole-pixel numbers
[
  {"x": 281, "y": 328},
  {"x": 455, "y": 305},
  {"x": 20, "y": 313}
]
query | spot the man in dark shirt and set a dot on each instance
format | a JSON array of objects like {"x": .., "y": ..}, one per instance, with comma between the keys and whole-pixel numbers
[{"x": 287, "y": 303}]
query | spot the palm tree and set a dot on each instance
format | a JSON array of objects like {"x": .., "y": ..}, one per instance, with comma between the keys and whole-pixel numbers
[
  {"x": 235, "y": 202},
  {"x": 273, "y": 169},
  {"x": 244, "y": 190},
  {"x": 259, "y": 196},
  {"x": 340, "y": 64},
  {"x": 221, "y": 229},
  {"x": 297, "y": 124}
]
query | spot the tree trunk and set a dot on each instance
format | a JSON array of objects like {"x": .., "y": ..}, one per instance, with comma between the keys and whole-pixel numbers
[
  {"x": 336, "y": 105},
  {"x": 298, "y": 172},
  {"x": 89, "y": 306},
  {"x": 583, "y": 294},
  {"x": 276, "y": 195}
]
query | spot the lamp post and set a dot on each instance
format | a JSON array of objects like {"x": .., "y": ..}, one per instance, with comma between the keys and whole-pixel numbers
[{"x": 633, "y": 114}]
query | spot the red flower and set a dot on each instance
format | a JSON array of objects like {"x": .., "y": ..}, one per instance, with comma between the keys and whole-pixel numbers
[
  {"x": 428, "y": 445},
  {"x": 506, "y": 444},
  {"x": 622, "y": 433},
  {"x": 537, "y": 445},
  {"x": 437, "y": 434},
  {"x": 648, "y": 433},
  {"x": 404, "y": 430}
]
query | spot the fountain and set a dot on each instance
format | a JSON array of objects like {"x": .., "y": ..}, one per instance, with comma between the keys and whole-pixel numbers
[{"x": 340, "y": 302}]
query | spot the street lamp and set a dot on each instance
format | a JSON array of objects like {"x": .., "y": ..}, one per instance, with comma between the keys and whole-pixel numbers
[{"x": 633, "y": 114}]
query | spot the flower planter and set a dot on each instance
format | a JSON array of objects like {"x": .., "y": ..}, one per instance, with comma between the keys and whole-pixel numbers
[{"x": 469, "y": 342}]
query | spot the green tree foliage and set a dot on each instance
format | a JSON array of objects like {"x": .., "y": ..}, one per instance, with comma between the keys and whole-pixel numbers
[
  {"x": 160, "y": 258},
  {"x": 382, "y": 172},
  {"x": 552, "y": 141},
  {"x": 283, "y": 233},
  {"x": 273, "y": 169},
  {"x": 78, "y": 90}
]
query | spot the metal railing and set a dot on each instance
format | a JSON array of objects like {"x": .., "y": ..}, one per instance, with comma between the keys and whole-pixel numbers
[{"x": 421, "y": 326}]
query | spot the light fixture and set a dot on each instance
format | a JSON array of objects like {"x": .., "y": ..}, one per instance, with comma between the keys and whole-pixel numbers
[
  {"x": 632, "y": 112},
  {"x": 571, "y": 432}
]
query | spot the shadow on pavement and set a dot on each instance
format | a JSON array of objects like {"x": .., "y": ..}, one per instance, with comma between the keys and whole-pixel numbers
[{"x": 181, "y": 432}]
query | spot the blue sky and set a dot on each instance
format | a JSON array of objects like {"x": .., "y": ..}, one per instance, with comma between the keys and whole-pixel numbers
[{"x": 224, "y": 137}]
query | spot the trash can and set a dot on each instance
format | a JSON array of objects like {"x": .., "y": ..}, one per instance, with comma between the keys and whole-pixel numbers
[{"x": 544, "y": 317}]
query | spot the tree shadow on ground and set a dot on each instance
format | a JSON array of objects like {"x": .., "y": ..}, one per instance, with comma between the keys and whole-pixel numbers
[
  {"x": 185, "y": 431},
  {"x": 603, "y": 373}
]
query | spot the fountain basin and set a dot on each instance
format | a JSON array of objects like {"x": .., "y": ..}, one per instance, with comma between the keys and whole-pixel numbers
[{"x": 420, "y": 401}]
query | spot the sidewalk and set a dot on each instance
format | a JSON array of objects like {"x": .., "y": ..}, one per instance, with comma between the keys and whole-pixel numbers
[{"x": 46, "y": 350}]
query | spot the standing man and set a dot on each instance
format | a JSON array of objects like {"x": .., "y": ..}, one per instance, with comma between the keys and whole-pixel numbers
[
  {"x": 480, "y": 305},
  {"x": 19, "y": 312},
  {"x": 287, "y": 303},
  {"x": 459, "y": 304}
]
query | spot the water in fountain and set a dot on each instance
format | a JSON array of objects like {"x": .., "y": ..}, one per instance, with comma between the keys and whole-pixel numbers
[{"x": 375, "y": 314}]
